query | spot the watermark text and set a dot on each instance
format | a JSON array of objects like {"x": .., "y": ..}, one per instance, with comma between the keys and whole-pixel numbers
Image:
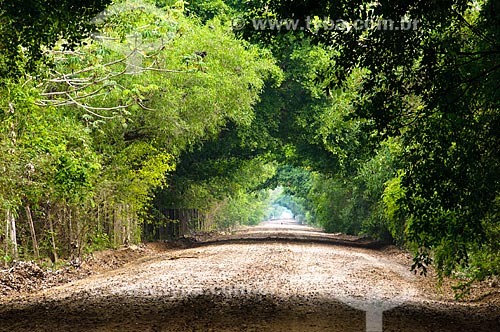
[{"x": 315, "y": 24}]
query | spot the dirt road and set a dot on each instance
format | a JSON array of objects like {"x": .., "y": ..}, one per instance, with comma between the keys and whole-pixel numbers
[{"x": 276, "y": 277}]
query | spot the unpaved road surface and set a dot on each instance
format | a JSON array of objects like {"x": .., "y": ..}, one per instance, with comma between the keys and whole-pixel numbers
[{"x": 276, "y": 277}]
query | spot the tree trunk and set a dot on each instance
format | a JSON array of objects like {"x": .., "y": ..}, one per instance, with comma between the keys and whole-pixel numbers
[
  {"x": 34, "y": 241},
  {"x": 118, "y": 225},
  {"x": 79, "y": 231},
  {"x": 98, "y": 218},
  {"x": 53, "y": 256},
  {"x": 125, "y": 225},
  {"x": 6, "y": 240},
  {"x": 11, "y": 222}
]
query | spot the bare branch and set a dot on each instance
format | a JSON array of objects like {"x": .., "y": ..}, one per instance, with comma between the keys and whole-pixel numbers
[
  {"x": 165, "y": 70},
  {"x": 76, "y": 89},
  {"x": 144, "y": 107},
  {"x": 99, "y": 108},
  {"x": 65, "y": 102}
]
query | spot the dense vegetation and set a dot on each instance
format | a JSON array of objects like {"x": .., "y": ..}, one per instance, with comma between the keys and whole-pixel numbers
[
  {"x": 152, "y": 119},
  {"x": 92, "y": 134}
]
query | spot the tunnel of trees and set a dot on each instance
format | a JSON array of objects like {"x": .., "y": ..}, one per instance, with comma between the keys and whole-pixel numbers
[{"x": 141, "y": 119}]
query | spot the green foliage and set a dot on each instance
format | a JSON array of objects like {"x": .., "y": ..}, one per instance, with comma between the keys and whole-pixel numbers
[
  {"x": 343, "y": 134},
  {"x": 28, "y": 27},
  {"x": 97, "y": 242},
  {"x": 227, "y": 191},
  {"x": 94, "y": 138},
  {"x": 6, "y": 259},
  {"x": 242, "y": 209},
  {"x": 296, "y": 204},
  {"x": 332, "y": 204},
  {"x": 50, "y": 154},
  {"x": 209, "y": 9},
  {"x": 392, "y": 196}
]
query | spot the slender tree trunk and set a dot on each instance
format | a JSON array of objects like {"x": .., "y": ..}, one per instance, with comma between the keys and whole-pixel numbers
[
  {"x": 79, "y": 230},
  {"x": 105, "y": 217},
  {"x": 53, "y": 257},
  {"x": 129, "y": 224},
  {"x": 11, "y": 221},
  {"x": 117, "y": 227},
  {"x": 67, "y": 214},
  {"x": 98, "y": 225},
  {"x": 126, "y": 224},
  {"x": 6, "y": 240},
  {"x": 198, "y": 227},
  {"x": 36, "y": 250}
]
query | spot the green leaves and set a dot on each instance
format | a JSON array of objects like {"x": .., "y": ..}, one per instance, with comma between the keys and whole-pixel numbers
[
  {"x": 94, "y": 138},
  {"x": 28, "y": 28}
]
